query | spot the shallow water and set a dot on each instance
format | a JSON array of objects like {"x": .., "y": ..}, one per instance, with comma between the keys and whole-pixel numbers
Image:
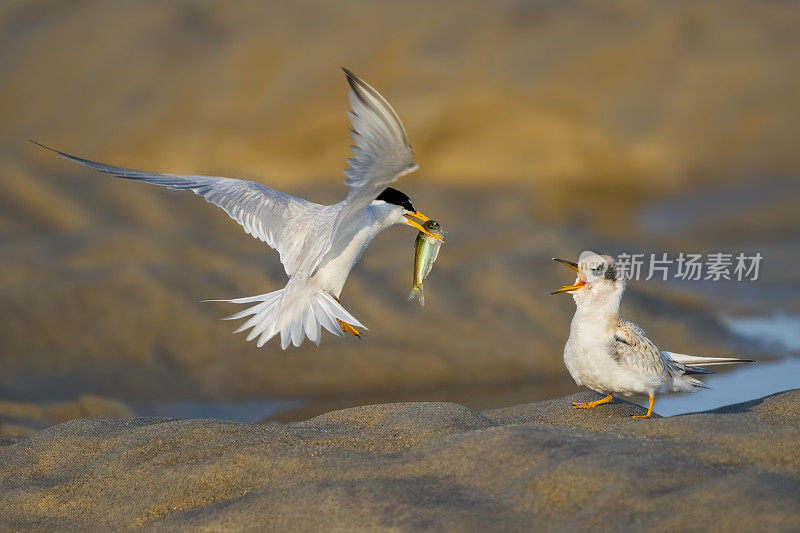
[
  {"x": 731, "y": 385},
  {"x": 741, "y": 384},
  {"x": 747, "y": 382},
  {"x": 744, "y": 383},
  {"x": 780, "y": 331},
  {"x": 247, "y": 412}
]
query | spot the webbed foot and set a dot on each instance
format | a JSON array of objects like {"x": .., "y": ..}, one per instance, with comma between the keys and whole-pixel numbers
[
  {"x": 591, "y": 405},
  {"x": 347, "y": 328}
]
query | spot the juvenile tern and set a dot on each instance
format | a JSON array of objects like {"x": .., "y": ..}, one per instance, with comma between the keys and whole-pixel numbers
[
  {"x": 611, "y": 355},
  {"x": 318, "y": 244}
]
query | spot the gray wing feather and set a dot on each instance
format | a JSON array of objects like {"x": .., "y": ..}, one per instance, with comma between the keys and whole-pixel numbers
[
  {"x": 279, "y": 219},
  {"x": 381, "y": 155},
  {"x": 633, "y": 349}
]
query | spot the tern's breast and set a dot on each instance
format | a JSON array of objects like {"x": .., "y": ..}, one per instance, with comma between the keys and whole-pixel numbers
[
  {"x": 333, "y": 275},
  {"x": 587, "y": 354}
]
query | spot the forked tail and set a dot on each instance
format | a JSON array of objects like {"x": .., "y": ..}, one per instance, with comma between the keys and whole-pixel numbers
[{"x": 294, "y": 320}]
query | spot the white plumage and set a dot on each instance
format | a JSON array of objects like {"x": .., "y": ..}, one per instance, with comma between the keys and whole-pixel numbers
[{"x": 318, "y": 244}]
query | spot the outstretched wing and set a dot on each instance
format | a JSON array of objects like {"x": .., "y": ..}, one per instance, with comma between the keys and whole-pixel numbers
[
  {"x": 381, "y": 156},
  {"x": 281, "y": 220},
  {"x": 381, "y": 153},
  {"x": 634, "y": 350}
]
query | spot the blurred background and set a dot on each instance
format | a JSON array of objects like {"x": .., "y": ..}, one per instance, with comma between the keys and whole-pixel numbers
[{"x": 542, "y": 129}]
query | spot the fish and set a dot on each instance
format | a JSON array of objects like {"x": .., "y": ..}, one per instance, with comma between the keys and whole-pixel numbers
[{"x": 426, "y": 250}]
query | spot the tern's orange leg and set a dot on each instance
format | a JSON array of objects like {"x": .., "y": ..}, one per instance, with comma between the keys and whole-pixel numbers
[
  {"x": 590, "y": 405},
  {"x": 347, "y": 328},
  {"x": 649, "y": 410}
]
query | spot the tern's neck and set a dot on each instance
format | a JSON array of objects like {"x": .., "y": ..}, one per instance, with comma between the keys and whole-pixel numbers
[
  {"x": 384, "y": 215},
  {"x": 599, "y": 305}
]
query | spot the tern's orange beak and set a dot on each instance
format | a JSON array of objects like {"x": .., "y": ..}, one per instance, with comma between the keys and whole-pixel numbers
[
  {"x": 578, "y": 284},
  {"x": 424, "y": 218}
]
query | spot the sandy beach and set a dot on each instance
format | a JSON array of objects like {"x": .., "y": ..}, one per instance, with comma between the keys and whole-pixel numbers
[{"x": 416, "y": 467}]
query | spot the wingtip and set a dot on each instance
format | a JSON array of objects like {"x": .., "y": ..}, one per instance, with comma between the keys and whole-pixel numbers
[
  {"x": 37, "y": 143},
  {"x": 59, "y": 152},
  {"x": 352, "y": 79},
  {"x": 349, "y": 73}
]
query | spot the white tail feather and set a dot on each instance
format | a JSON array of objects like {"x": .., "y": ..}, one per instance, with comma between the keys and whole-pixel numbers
[
  {"x": 694, "y": 360},
  {"x": 693, "y": 382},
  {"x": 296, "y": 321}
]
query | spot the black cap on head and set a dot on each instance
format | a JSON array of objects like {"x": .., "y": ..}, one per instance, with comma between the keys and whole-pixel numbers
[{"x": 393, "y": 196}]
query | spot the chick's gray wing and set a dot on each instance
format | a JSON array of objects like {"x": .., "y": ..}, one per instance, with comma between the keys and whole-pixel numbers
[
  {"x": 284, "y": 222},
  {"x": 632, "y": 348}
]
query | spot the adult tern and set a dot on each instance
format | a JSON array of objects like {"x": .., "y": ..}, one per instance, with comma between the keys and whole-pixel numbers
[
  {"x": 611, "y": 355},
  {"x": 318, "y": 244}
]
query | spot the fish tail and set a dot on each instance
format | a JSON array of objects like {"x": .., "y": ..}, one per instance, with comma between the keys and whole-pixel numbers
[{"x": 416, "y": 292}]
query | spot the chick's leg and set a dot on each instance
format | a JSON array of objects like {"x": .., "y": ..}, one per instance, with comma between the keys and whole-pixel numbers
[
  {"x": 649, "y": 409},
  {"x": 590, "y": 405}
]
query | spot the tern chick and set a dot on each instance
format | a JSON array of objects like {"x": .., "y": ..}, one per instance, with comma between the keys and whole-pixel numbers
[{"x": 611, "y": 355}]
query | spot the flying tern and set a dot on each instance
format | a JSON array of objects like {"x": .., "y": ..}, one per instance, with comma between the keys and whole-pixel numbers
[
  {"x": 611, "y": 355},
  {"x": 318, "y": 244}
]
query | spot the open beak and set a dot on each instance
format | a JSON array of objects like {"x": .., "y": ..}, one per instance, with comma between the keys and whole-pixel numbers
[
  {"x": 578, "y": 284},
  {"x": 424, "y": 218}
]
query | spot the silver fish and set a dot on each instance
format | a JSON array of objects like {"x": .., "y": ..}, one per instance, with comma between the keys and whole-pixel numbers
[{"x": 426, "y": 249}]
